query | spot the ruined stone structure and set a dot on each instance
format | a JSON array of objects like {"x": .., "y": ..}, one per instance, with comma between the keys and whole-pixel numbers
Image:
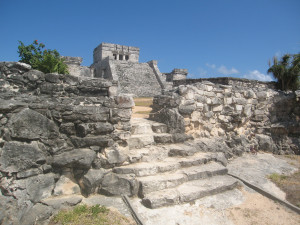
[
  {"x": 121, "y": 63},
  {"x": 65, "y": 137},
  {"x": 75, "y": 68}
]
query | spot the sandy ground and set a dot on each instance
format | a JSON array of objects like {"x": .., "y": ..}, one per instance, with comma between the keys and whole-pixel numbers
[
  {"x": 257, "y": 209},
  {"x": 235, "y": 207}
]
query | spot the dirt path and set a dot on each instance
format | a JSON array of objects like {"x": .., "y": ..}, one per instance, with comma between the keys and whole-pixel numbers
[{"x": 257, "y": 209}]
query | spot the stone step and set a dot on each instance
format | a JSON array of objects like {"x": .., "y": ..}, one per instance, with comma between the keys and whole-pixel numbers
[
  {"x": 194, "y": 160},
  {"x": 147, "y": 168},
  {"x": 181, "y": 150},
  {"x": 140, "y": 141},
  {"x": 141, "y": 128},
  {"x": 169, "y": 164},
  {"x": 163, "y": 138},
  {"x": 189, "y": 191},
  {"x": 168, "y": 180}
]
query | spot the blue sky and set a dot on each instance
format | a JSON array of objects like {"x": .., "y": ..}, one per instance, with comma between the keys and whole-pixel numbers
[{"x": 210, "y": 38}]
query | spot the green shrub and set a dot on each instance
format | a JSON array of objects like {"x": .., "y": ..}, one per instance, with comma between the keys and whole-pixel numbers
[{"x": 47, "y": 61}]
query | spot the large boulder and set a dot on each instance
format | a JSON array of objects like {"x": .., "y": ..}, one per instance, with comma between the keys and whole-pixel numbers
[
  {"x": 65, "y": 186},
  {"x": 91, "y": 181},
  {"x": 78, "y": 158},
  {"x": 17, "y": 156},
  {"x": 265, "y": 143},
  {"x": 119, "y": 184},
  {"x": 31, "y": 125}
]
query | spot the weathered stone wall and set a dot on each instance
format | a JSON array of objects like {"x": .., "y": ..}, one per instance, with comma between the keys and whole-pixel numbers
[
  {"x": 56, "y": 131},
  {"x": 75, "y": 68},
  {"x": 238, "y": 82},
  {"x": 246, "y": 114}
]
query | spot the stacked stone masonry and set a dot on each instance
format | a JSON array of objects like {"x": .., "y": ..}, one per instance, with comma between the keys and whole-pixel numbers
[
  {"x": 244, "y": 115},
  {"x": 59, "y": 135}
]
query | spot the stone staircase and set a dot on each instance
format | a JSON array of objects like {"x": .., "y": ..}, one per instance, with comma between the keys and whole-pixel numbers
[
  {"x": 146, "y": 132},
  {"x": 168, "y": 173}
]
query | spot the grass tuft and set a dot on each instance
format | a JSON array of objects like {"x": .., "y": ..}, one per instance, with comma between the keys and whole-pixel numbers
[
  {"x": 277, "y": 178},
  {"x": 89, "y": 215}
]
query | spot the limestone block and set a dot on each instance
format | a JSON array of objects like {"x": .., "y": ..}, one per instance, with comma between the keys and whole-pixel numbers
[
  {"x": 200, "y": 92},
  {"x": 124, "y": 101},
  {"x": 186, "y": 110},
  {"x": 209, "y": 114},
  {"x": 196, "y": 116},
  {"x": 189, "y": 102},
  {"x": 239, "y": 101},
  {"x": 31, "y": 125},
  {"x": 208, "y": 101},
  {"x": 216, "y": 101},
  {"x": 17, "y": 156},
  {"x": 228, "y": 101},
  {"x": 115, "y": 154},
  {"x": 52, "y": 78},
  {"x": 200, "y": 98},
  {"x": 78, "y": 158},
  {"x": 265, "y": 142},
  {"x": 238, "y": 107},
  {"x": 190, "y": 95},
  {"x": 34, "y": 75},
  {"x": 187, "y": 121},
  {"x": 122, "y": 114},
  {"x": 182, "y": 90},
  {"x": 249, "y": 94},
  {"x": 101, "y": 140},
  {"x": 262, "y": 95},
  {"x": 91, "y": 181},
  {"x": 199, "y": 106},
  {"x": 237, "y": 95},
  {"x": 29, "y": 173},
  {"x": 65, "y": 186},
  {"x": 220, "y": 95},
  {"x": 119, "y": 184},
  {"x": 112, "y": 91},
  {"x": 224, "y": 119},
  {"x": 259, "y": 112},
  {"x": 40, "y": 186},
  {"x": 209, "y": 94},
  {"x": 247, "y": 110},
  {"x": 208, "y": 87},
  {"x": 217, "y": 108}
]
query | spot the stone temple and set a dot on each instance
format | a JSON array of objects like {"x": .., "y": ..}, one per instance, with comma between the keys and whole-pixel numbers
[{"x": 121, "y": 63}]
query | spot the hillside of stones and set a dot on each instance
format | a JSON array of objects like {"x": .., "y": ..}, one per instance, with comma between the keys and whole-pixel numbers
[{"x": 64, "y": 138}]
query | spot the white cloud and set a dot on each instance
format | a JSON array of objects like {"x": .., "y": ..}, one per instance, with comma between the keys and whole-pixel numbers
[
  {"x": 256, "y": 75},
  {"x": 222, "y": 69},
  {"x": 213, "y": 66},
  {"x": 225, "y": 71}
]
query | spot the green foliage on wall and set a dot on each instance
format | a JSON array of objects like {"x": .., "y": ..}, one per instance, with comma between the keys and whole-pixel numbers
[{"x": 47, "y": 61}]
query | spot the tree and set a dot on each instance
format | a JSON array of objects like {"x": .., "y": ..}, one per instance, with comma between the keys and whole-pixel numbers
[
  {"x": 286, "y": 71},
  {"x": 47, "y": 61}
]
